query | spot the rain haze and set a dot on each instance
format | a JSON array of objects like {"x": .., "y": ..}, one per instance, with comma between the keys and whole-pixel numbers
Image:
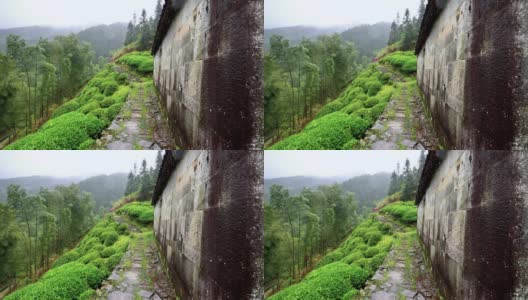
[
  {"x": 284, "y": 13},
  {"x": 70, "y": 163},
  {"x": 64, "y": 13},
  {"x": 333, "y": 163}
]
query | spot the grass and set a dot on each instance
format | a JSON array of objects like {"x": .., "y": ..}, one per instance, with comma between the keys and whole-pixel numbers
[
  {"x": 342, "y": 272},
  {"x": 341, "y": 123},
  {"x": 77, "y": 273},
  {"x": 79, "y": 122}
]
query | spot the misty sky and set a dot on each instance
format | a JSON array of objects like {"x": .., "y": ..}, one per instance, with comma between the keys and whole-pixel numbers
[
  {"x": 333, "y": 163},
  {"x": 325, "y": 13},
  {"x": 70, "y": 163},
  {"x": 63, "y": 13}
]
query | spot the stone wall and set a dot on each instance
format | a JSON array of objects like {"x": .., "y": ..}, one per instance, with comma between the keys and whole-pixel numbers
[
  {"x": 473, "y": 71},
  {"x": 209, "y": 71},
  {"x": 472, "y": 222},
  {"x": 208, "y": 223}
]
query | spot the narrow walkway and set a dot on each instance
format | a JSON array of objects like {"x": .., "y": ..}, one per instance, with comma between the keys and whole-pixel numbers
[
  {"x": 140, "y": 125},
  {"x": 139, "y": 275},
  {"x": 403, "y": 125},
  {"x": 403, "y": 274}
]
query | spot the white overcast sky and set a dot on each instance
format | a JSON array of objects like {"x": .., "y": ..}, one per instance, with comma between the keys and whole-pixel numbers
[
  {"x": 64, "y": 13},
  {"x": 326, "y": 13},
  {"x": 333, "y": 163},
  {"x": 70, "y": 163}
]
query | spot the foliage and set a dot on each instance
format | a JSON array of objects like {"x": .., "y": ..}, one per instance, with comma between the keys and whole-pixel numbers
[
  {"x": 405, "y": 182},
  {"x": 72, "y": 278},
  {"x": 405, "y": 32},
  {"x": 346, "y": 269},
  {"x": 142, "y": 62},
  {"x": 344, "y": 121},
  {"x": 36, "y": 79},
  {"x": 403, "y": 211},
  {"x": 140, "y": 211},
  {"x": 77, "y": 123},
  {"x": 300, "y": 78},
  {"x": 299, "y": 228},
  {"x": 403, "y": 61}
]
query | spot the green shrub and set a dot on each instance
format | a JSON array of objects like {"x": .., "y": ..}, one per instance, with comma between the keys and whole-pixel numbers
[
  {"x": 403, "y": 61},
  {"x": 107, "y": 252},
  {"x": 110, "y": 89},
  {"x": 87, "y": 295},
  {"x": 330, "y": 108},
  {"x": 371, "y": 102},
  {"x": 66, "y": 108},
  {"x": 107, "y": 102},
  {"x": 142, "y": 62},
  {"x": 66, "y": 258},
  {"x": 331, "y": 257},
  {"x": 372, "y": 251},
  {"x": 109, "y": 238},
  {"x": 113, "y": 260},
  {"x": 406, "y": 212},
  {"x": 122, "y": 228},
  {"x": 66, "y": 132},
  {"x": 373, "y": 237},
  {"x": 352, "y": 257},
  {"x": 352, "y": 107},
  {"x": 140, "y": 211},
  {"x": 373, "y": 87},
  {"x": 90, "y": 106},
  {"x": 122, "y": 78},
  {"x": 89, "y": 257},
  {"x": 352, "y": 144}
]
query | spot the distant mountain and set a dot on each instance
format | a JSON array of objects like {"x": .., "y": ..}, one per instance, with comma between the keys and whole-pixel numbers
[
  {"x": 368, "y": 38},
  {"x": 103, "y": 38},
  {"x": 105, "y": 189},
  {"x": 33, "y": 184},
  {"x": 32, "y": 34},
  {"x": 296, "y": 33},
  {"x": 368, "y": 189},
  {"x": 297, "y": 183}
]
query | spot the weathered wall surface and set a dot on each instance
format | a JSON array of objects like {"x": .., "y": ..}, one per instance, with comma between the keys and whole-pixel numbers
[
  {"x": 472, "y": 222},
  {"x": 473, "y": 71},
  {"x": 209, "y": 73},
  {"x": 208, "y": 223}
]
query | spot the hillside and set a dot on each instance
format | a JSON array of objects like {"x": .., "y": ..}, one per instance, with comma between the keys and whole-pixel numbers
[
  {"x": 367, "y": 188},
  {"x": 296, "y": 33},
  {"x": 103, "y": 38},
  {"x": 368, "y": 38},
  {"x": 105, "y": 189}
]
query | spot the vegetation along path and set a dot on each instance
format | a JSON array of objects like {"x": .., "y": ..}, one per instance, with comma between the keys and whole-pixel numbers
[
  {"x": 140, "y": 125},
  {"x": 403, "y": 125},
  {"x": 139, "y": 275},
  {"x": 404, "y": 273}
]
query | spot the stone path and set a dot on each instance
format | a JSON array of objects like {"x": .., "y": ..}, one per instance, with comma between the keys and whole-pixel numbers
[
  {"x": 139, "y": 275},
  {"x": 403, "y": 124},
  {"x": 140, "y": 125},
  {"x": 403, "y": 274}
]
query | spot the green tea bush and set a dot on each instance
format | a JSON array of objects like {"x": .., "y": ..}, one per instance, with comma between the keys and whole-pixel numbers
[
  {"x": 69, "y": 256},
  {"x": 330, "y": 108},
  {"x": 107, "y": 252},
  {"x": 331, "y": 257},
  {"x": 109, "y": 237},
  {"x": 332, "y": 281},
  {"x": 76, "y": 124},
  {"x": 122, "y": 78},
  {"x": 405, "y": 212},
  {"x": 371, "y": 102},
  {"x": 352, "y": 144},
  {"x": 140, "y": 211},
  {"x": 66, "y": 132},
  {"x": 403, "y": 61},
  {"x": 373, "y": 87},
  {"x": 68, "y": 281},
  {"x": 142, "y": 62}
]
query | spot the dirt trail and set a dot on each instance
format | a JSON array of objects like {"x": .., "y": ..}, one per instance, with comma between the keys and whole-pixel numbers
[
  {"x": 403, "y": 124},
  {"x": 140, "y": 125},
  {"x": 139, "y": 275},
  {"x": 403, "y": 274}
]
